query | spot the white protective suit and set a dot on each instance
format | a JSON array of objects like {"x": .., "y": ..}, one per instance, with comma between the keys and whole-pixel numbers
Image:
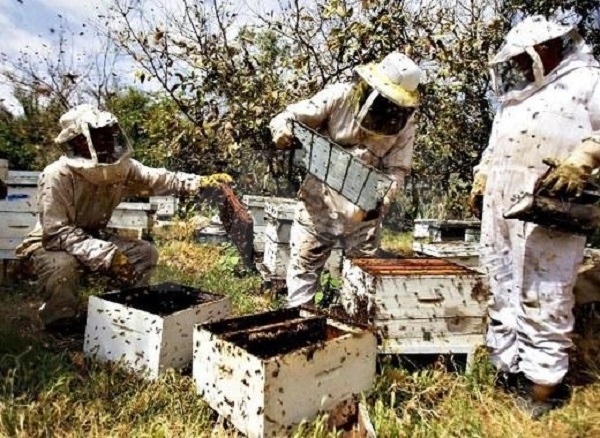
[
  {"x": 325, "y": 217},
  {"x": 532, "y": 269},
  {"x": 76, "y": 199}
]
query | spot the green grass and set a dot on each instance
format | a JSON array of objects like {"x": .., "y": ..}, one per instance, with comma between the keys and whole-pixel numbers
[{"x": 48, "y": 389}]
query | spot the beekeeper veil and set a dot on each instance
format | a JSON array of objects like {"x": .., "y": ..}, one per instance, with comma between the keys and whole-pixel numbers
[
  {"x": 387, "y": 95},
  {"x": 94, "y": 145},
  {"x": 507, "y": 74}
]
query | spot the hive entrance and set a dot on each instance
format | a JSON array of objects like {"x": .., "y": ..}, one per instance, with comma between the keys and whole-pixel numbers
[
  {"x": 275, "y": 333},
  {"x": 161, "y": 299}
]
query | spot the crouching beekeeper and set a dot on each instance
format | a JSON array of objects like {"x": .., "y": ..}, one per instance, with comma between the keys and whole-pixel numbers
[
  {"x": 77, "y": 195},
  {"x": 372, "y": 118},
  {"x": 553, "y": 111}
]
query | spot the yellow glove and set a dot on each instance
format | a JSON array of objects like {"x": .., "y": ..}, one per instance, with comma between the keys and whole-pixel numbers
[
  {"x": 215, "y": 180},
  {"x": 564, "y": 179},
  {"x": 123, "y": 269},
  {"x": 476, "y": 197},
  {"x": 359, "y": 215}
]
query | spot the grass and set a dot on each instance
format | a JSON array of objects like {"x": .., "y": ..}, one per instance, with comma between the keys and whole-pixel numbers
[{"x": 48, "y": 389}]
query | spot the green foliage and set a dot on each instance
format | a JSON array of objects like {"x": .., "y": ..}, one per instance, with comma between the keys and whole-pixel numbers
[{"x": 27, "y": 140}]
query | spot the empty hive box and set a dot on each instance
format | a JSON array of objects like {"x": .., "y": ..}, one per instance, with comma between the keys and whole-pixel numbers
[
  {"x": 417, "y": 306},
  {"x": 266, "y": 373},
  {"x": 149, "y": 329}
]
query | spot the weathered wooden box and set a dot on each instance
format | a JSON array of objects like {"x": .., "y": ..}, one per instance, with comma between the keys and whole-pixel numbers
[
  {"x": 149, "y": 329},
  {"x": 459, "y": 252},
  {"x": 361, "y": 184},
  {"x": 435, "y": 230},
  {"x": 417, "y": 306},
  {"x": 266, "y": 373}
]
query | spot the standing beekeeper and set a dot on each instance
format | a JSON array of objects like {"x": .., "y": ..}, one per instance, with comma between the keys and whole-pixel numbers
[
  {"x": 554, "y": 112},
  {"x": 77, "y": 195},
  {"x": 372, "y": 118}
]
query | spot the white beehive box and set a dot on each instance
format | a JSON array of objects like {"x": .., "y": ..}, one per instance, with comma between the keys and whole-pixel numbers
[
  {"x": 266, "y": 373},
  {"x": 417, "y": 306},
  {"x": 18, "y": 211},
  {"x": 459, "y": 252},
  {"x": 277, "y": 257},
  {"x": 134, "y": 216},
  {"x": 436, "y": 230},
  {"x": 19, "y": 216},
  {"x": 256, "y": 206},
  {"x": 361, "y": 184},
  {"x": 149, "y": 329},
  {"x": 165, "y": 206}
]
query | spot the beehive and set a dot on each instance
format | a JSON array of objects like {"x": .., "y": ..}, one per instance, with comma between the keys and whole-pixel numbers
[
  {"x": 149, "y": 329},
  {"x": 256, "y": 207},
  {"x": 277, "y": 233},
  {"x": 329, "y": 162},
  {"x": 268, "y": 372},
  {"x": 417, "y": 306},
  {"x": 435, "y": 230},
  {"x": 166, "y": 206},
  {"x": 459, "y": 252}
]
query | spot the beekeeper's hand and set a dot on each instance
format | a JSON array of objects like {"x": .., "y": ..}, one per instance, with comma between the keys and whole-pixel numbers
[
  {"x": 215, "y": 180},
  {"x": 568, "y": 178},
  {"x": 281, "y": 131},
  {"x": 359, "y": 215},
  {"x": 122, "y": 268},
  {"x": 475, "y": 202}
]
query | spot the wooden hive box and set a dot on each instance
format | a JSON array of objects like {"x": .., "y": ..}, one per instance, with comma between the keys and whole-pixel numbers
[
  {"x": 256, "y": 206},
  {"x": 266, "y": 373},
  {"x": 280, "y": 217},
  {"x": 277, "y": 258},
  {"x": 459, "y": 252},
  {"x": 417, "y": 306},
  {"x": 136, "y": 217},
  {"x": 436, "y": 230},
  {"x": 18, "y": 210},
  {"x": 165, "y": 206},
  {"x": 149, "y": 329}
]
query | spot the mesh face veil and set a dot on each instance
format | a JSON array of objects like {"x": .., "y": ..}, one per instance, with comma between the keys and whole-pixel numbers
[
  {"x": 94, "y": 144},
  {"x": 380, "y": 116}
]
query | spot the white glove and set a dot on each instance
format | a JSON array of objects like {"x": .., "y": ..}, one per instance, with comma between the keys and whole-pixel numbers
[{"x": 281, "y": 130}]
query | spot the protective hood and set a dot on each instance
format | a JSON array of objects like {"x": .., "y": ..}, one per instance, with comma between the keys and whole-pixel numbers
[
  {"x": 580, "y": 56},
  {"x": 522, "y": 39},
  {"x": 106, "y": 159},
  {"x": 528, "y": 33}
]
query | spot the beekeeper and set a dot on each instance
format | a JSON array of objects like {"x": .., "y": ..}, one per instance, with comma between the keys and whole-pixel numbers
[
  {"x": 77, "y": 195},
  {"x": 554, "y": 111},
  {"x": 373, "y": 118}
]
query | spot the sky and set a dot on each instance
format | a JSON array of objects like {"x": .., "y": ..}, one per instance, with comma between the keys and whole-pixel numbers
[{"x": 32, "y": 26}]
